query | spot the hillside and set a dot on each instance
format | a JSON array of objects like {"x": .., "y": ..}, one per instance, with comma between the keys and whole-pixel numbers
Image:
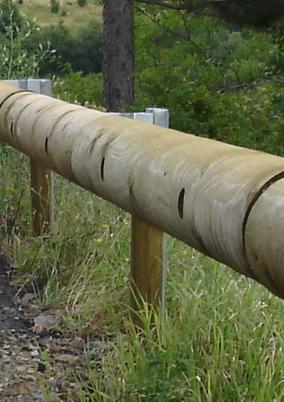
[{"x": 70, "y": 13}]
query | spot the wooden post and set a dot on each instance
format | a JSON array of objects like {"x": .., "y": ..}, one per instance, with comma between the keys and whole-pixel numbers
[
  {"x": 41, "y": 197},
  {"x": 41, "y": 177},
  {"x": 148, "y": 267}
]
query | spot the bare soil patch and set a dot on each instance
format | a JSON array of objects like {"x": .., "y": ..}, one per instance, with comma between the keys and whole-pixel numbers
[{"x": 37, "y": 362}]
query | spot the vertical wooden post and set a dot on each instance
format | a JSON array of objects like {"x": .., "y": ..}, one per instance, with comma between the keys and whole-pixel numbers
[
  {"x": 147, "y": 265},
  {"x": 41, "y": 177},
  {"x": 148, "y": 268},
  {"x": 41, "y": 197}
]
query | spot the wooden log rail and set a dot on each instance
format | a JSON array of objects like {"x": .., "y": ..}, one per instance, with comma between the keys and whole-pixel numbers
[{"x": 225, "y": 201}]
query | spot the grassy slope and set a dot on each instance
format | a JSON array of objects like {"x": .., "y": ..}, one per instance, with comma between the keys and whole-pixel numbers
[{"x": 76, "y": 17}]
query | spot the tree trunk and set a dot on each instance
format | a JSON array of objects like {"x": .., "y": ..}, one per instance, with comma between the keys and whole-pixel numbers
[{"x": 118, "y": 54}]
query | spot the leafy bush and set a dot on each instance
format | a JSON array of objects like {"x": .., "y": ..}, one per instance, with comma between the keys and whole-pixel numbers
[
  {"x": 10, "y": 18},
  {"x": 87, "y": 90},
  {"x": 59, "y": 38},
  {"x": 80, "y": 52},
  {"x": 89, "y": 49},
  {"x": 216, "y": 82}
]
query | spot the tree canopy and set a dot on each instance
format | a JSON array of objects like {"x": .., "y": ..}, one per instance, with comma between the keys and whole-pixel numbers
[{"x": 256, "y": 13}]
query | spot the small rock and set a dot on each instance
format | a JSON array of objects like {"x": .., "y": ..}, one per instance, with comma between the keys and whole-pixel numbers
[
  {"x": 37, "y": 396},
  {"x": 77, "y": 342},
  {"x": 21, "y": 369},
  {"x": 17, "y": 388},
  {"x": 27, "y": 298},
  {"x": 66, "y": 358},
  {"x": 46, "y": 321},
  {"x": 34, "y": 353},
  {"x": 30, "y": 378}
]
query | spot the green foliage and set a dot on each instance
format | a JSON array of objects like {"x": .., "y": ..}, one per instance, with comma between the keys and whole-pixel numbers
[
  {"x": 257, "y": 13},
  {"x": 54, "y": 6},
  {"x": 57, "y": 37},
  {"x": 82, "y": 3},
  {"x": 14, "y": 193},
  {"x": 216, "y": 82},
  {"x": 80, "y": 52},
  {"x": 254, "y": 13},
  {"x": 78, "y": 88},
  {"x": 89, "y": 49},
  {"x": 277, "y": 32},
  {"x": 10, "y": 18},
  {"x": 15, "y": 61}
]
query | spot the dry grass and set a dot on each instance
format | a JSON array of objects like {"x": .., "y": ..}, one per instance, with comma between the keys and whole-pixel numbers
[{"x": 70, "y": 13}]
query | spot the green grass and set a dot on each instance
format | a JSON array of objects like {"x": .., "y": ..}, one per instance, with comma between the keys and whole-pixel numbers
[
  {"x": 70, "y": 13},
  {"x": 222, "y": 336}
]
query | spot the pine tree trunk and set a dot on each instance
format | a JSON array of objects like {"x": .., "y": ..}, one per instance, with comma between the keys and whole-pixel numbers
[{"x": 118, "y": 54}]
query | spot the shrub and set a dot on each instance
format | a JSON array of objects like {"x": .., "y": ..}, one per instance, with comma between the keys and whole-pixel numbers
[
  {"x": 10, "y": 18},
  {"x": 15, "y": 61},
  {"x": 60, "y": 39},
  {"x": 63, "y": 12},
  {"x": 82, "y": 3},
  {"x": 87, "y": 90},
  {"x": 54, "y": 6},
  {"x": 81, "y": 52},
  {"x": 89, "y": 49}
]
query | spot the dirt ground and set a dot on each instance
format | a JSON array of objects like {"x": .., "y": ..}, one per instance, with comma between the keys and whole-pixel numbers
[{"x": 37, "y": 362}]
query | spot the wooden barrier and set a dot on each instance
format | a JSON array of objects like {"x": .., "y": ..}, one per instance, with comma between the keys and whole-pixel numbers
[
  {"x": 42, "y": 190},
  {"x": 225, "y": 201},
  {"x": 147, "y": 242},
  {"x": 148, "y": 266}
]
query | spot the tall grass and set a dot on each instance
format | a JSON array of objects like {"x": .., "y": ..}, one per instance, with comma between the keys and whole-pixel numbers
[{"x": 221, "y": 338}]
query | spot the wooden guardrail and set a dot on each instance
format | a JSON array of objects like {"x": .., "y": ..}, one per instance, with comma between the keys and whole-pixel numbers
[
  {"x": 147, "y": 242},
  {"x": 225, "y": 201}
]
